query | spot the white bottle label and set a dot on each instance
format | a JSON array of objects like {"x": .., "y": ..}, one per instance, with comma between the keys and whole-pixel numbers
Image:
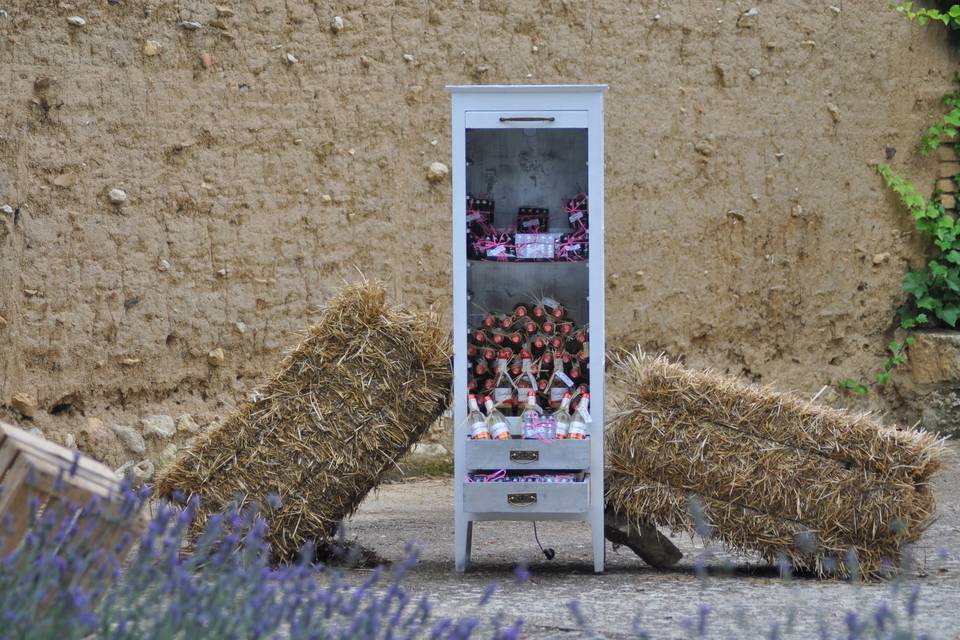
[
  {"x": 532, "y": 379},
  {"x": 584, "y": 413},
  {"x": 550, "y": 302},
  {"x": 525, "y": 365},
  {"x": 496, "y": 251},
  {"x": 502, "y": 364},
  {"x": 576, "y": 216},
  {"x": 564, "y": 378},
  {"x": 475, "y": 216},
  {"x": 556, "y": 394},
  {"x": 480, "y": 426},
  {"x": 574, "y": 247},
  {"x": 502, "y": 394}
]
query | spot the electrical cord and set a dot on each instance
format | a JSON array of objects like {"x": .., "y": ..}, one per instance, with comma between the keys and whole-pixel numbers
[{"x": 548, "y": 553}]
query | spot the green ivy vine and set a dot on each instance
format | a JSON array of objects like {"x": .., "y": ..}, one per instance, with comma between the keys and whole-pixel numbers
[{"x": 933, "y": 290}]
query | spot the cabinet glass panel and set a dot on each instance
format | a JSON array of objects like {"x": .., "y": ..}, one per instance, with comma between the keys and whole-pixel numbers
[{"x": 527, "y": 245}]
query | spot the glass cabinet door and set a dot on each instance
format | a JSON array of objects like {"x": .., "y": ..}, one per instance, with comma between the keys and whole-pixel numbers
[{"x": 527, "y": 211}]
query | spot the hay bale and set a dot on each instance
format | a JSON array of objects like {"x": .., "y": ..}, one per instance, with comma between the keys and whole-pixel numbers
[
  {"x": 360, "y": 389},
  {"x": 770, "y": 472}
]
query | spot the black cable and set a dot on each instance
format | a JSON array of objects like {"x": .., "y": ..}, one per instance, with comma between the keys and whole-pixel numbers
[{"x": 548, "y": 552}]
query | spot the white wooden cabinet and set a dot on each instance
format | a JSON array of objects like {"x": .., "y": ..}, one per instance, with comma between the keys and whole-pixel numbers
[{"x": 528, "y": 146}]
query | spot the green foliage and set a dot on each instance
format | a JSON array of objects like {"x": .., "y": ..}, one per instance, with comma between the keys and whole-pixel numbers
[
  {"x": 946, "y": 127},
  {"x": 934, "y": 289},
  {"x": 898, "y": 356},
  {"x": 950, "y": 17}
]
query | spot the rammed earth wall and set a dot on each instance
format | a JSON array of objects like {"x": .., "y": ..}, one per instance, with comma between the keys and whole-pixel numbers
[{"x": 747, "y": 227}]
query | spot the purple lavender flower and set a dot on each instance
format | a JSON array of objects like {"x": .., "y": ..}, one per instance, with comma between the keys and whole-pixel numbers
[{"x": 488, "y": 593}]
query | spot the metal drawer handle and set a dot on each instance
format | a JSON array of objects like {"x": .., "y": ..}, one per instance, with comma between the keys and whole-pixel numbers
[
  {"x": 524, "y": 457},
  {"x": 527, "y": 119},
  {"x": 521, "y": 499}
]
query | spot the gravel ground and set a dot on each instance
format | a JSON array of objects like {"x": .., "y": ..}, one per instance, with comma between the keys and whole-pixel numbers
[{"x": 744, "y": 599}]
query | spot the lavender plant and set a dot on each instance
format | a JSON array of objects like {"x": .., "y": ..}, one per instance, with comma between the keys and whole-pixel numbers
[{"x": 62, "y": 583}]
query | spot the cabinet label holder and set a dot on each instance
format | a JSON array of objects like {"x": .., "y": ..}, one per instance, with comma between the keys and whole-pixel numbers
[
  {"x": 524, "y": 457},
  {"x": 521, "y": 499}
]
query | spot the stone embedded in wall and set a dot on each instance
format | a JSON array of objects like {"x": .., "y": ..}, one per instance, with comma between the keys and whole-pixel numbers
[
  {"x": 216, "y": 358},
  {"x": 946, "y": 185},
  {"x": 935, "y": 358},
  {"x": 24, "y": 404},
  {"x": 947, "y": 153},
  {"x": 948, "y": 201},
  {"x": 948, "y": 169},
  {"x": 930, "y": 384},
  {"x": 159, "y": 426},
  {"x": 130, "y": 438}
]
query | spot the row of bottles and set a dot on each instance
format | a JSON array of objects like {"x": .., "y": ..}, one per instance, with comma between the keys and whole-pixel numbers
[{"x": 566, "y": 422}]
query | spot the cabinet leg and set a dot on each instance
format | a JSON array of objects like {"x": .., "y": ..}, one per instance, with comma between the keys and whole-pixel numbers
[
  {"x": 599, "y": 546},
  {"x": 462, "y": 537}
]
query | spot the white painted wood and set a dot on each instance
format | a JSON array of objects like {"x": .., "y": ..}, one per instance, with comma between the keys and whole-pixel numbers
[
  {"x": 528, "y": 455},
  {"x": 571, "y": 107}
]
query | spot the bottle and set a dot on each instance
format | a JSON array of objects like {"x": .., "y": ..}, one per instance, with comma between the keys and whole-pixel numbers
[
  {"x": 526, "y": 361},
  {"x": 497, "y": 338},
  {"x": 549, "y": 327},
  {"x": 530, "y": 327},
  {"x": 546, "y": 362},
  {"x": 520, "y": 311},
  {"x": 478, "y": 337},
  {"x": 531, "y": 413},
  {"x": 488, "y": 385},
  {"x": 506, "y": 321},
  {"x": 516, "y": 341},
  {"x": 562, "y": 417},
  {"x": 471, "y": 383},
  {"x": 580, "y": 419},
  {"x": 559, "y": 312},
  {"x": 503, "y": 361},
  {"x": 539, "y": 313},
  {"x": 537, "y": 346},
  {"x": 471, "y": 351},
  {"x": 575, "y": 372},
  {"x": 476, "y": 420},
  {"x": 496, "y": 423},
  {"x": 489, "y": 321},
  {"x": 556, "y": 343},
  {"x": 489, "y": 354},
  {"x": 584, "y": 355},
  {"x": 565, "y": 328}
]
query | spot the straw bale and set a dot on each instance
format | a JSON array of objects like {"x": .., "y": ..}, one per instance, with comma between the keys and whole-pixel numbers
[
  {"x": 360, "y": 389},
  {"x": 786, "y": 418},
  {"x": 752, "y": 457}
]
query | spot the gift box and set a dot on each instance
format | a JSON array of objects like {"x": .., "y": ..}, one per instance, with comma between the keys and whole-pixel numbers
[
  {"x": 576, "y": 210},
  {"x": 536, "y": 246},
  {"x": 530, "y": 219}
]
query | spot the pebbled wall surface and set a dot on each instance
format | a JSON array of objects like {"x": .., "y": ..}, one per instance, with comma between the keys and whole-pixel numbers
[{"x": 747, "y": 228}]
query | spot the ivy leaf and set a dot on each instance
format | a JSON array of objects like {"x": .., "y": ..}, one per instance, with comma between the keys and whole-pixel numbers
[
  {"x": 949, "y": 314},
  {"x": 938, "y": 270},
  {"x": 882, "y": 378},
  {"x": 930, "y": 303},
  {"x": 909, "y": 340},
  {"x": 953, "y": 256},
  {"x": 922, "y": 319},
  {"x": 894, "y": 346},
  {"x": 915, "y": 283}
]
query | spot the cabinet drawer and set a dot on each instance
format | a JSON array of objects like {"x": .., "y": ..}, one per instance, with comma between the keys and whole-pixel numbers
[
  {"x": 526, "y": 119},
  {"x": 557, "y": 455},
  {"x": 526, "y": 497}
]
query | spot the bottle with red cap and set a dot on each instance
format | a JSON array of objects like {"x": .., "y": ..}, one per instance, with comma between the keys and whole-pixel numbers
[
  {"x": 580, "y": 419},
  {"x": 496, "y": 424},
  {"x": 562, "y": 418},
  {"x": 531, "y": 412},
  {"x": 478, "y": 337},
  {"x": 476, "y": 420}
]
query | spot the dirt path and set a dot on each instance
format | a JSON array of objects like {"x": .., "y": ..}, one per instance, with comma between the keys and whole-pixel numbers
[{"x": 744, "y": 603}]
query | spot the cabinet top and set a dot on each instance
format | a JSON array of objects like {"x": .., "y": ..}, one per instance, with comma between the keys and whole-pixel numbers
[{"x": 526, "y": 88}]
